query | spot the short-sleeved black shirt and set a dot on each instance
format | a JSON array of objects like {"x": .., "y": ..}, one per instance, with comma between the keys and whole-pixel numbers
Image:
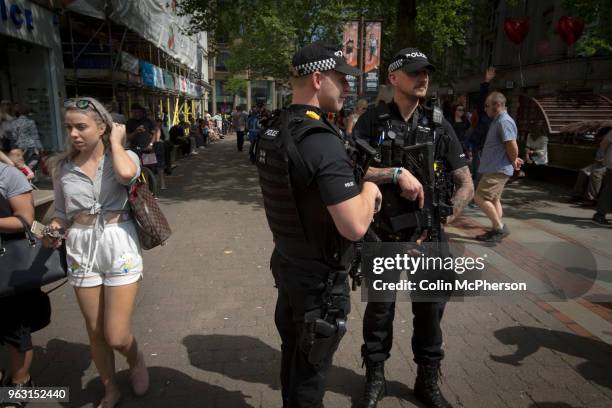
[{"x": 332, "y": 180}]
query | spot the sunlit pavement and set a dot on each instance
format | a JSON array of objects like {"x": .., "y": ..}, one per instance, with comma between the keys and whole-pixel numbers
[{"x": 205, "y": 310}]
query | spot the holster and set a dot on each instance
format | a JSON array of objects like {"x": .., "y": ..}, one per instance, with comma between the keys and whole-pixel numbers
[{"x": 324, "y": 328}]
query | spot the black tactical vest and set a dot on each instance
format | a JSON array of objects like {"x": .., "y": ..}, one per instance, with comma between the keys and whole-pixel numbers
[
  {"x": 281, "y": 173},
  {"x": 426, "y": 125}
]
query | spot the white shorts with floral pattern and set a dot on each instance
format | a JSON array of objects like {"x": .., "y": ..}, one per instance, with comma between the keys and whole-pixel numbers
[{"x": 114, "y": 259}]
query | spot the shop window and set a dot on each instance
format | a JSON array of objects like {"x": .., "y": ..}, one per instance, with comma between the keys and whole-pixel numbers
[
  {"x": 261, "y": 93},
  {"x": 220, "y": 61}
]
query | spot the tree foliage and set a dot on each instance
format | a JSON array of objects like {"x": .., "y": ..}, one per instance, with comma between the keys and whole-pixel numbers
[
  {"x": 597, "y": 15},
  {"x": 236, "y": 85},
  {"x": 262, "y": 35}
]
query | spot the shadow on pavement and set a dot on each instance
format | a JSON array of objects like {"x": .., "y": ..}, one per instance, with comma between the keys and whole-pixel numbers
[
  {"x": 529, "y": 340},
  {"x": 529, "y": 200},
  {"x": 64, "y": 364},
  {"x": 249, "y": 359},
  {"x": 217, "y": 173}
]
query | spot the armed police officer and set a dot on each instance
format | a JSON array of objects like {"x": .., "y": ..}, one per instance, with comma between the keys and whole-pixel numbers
[
  {"x": 315, "y": 208},
  {"x": 394, "y": 128}
]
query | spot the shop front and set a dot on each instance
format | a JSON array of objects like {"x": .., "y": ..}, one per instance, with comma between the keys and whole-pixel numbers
[{"x": 31, "y": 67}]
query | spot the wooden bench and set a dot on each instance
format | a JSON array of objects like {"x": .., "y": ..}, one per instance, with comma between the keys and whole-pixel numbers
[{"x": 43, "y": 205}]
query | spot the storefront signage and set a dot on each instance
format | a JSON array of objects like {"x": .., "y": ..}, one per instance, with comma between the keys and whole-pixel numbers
[{"x": 17, "y": 14}]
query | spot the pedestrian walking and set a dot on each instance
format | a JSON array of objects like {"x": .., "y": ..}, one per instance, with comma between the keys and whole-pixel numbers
[
  {"x": 103, "y": 250},
  {"x": 27, "y": 312},
  {"x": 497, "y": 164},
  {"x": 239, "y": 121}
]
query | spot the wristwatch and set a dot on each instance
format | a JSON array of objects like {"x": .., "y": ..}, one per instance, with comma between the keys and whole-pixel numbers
[{"x": 396, "y": 174}]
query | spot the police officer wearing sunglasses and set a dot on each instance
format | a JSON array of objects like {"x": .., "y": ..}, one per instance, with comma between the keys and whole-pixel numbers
[
  {"x": 387, "y": 127},
  {"x": 314, "y": 208}
]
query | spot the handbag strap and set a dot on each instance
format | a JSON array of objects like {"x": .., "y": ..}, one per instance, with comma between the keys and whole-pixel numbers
[{"x": 29, "y": 236}]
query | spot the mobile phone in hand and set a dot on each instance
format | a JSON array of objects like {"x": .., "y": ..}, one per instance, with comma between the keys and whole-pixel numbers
[{"x": 39, "y": 229}]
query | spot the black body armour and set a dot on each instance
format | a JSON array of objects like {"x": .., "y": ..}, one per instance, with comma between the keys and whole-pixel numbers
[
  {"x": 425, "y": 126},
  {"x": 282, "y": 174}
]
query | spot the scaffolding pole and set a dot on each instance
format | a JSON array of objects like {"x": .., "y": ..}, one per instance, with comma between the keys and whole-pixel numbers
[
  {"x": 107, "y": 10},
  {"x": 74, "y": 67},
  {"x": 118, "y": 59}
]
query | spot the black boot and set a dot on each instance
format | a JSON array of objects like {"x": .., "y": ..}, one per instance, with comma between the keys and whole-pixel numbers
[
  {"x": 376, "y": 386},
  {"x": 426, "y": 388}
]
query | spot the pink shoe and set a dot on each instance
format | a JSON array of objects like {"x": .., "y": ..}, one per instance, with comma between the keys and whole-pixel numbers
[
  {"x": 110, "y": 402},
  {"x": 139, "y": 376}
]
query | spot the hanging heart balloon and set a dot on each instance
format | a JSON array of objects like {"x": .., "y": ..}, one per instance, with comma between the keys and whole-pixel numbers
[
  {"x": 570, "y": 29},
  {"x": 516, "y": 28}
]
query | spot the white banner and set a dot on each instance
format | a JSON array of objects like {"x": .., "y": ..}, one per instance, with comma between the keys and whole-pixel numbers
[
  {"x": 154, "y": 20},
  {"x": 129, "y": 63}
]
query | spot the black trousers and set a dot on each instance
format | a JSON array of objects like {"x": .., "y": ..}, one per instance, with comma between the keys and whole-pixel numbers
[
  {"x": 426, "y": 335},
  {"x": 427, "y": 315},
  {"x": 300, "y": 291},
  {"x": 239, "y": 139},
  {"x": 604, "y": 203}
]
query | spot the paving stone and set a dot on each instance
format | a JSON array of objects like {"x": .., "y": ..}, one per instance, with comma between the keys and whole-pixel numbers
[{"x": 205, "y": 316}]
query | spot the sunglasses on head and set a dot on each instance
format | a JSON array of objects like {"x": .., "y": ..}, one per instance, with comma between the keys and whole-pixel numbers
[{"x": 81, "y": 104}]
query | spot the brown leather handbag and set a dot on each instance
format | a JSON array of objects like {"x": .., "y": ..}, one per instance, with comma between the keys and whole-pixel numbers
[{"x": 151, "y": 224}]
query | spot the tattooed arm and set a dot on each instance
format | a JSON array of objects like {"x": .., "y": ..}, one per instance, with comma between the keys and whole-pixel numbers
[
  {"x": 411, "y": 189},
  {"x": 464, "y": 191},
  {"x": 379, "y": 175}
]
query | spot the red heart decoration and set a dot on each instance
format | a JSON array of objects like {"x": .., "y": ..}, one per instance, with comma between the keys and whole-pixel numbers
[
  {"x": 570, "y": 29},
  {"x": 516, "y": 28}
]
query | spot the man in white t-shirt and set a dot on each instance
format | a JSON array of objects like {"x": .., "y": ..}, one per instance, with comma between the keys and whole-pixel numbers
[
  {"x": 605, "y": 196},
  {"x": 239, "y": 121}
]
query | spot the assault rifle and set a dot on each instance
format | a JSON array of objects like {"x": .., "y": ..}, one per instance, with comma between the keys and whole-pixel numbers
[
  {"x": 362, "y": 155},
  {"x": 418, "y": 159}
]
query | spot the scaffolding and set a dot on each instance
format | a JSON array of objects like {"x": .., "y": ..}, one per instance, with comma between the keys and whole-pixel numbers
[{"x": 92, "y": 55}]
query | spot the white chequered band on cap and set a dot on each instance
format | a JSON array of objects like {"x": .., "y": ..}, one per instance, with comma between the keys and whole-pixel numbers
[
  {"x": 394, "y": 66},
  {"x": 321, "y": 66}
]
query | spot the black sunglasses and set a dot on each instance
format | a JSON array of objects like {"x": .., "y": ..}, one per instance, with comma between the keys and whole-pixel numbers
[{"x": 81, "y": 104}]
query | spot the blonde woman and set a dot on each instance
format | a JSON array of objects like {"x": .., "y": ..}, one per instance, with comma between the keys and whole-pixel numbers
[
  {"x": 104, "y": 256},
  {"x": 360, "y": 107}
]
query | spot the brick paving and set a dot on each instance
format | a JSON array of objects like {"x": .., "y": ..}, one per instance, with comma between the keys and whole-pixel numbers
[{"x": 205, "y": 311}]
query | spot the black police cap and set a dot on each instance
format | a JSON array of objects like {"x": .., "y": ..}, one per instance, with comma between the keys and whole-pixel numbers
[
  {"x": 320, "y": 57},
  {"x": 411, "y": 59}
]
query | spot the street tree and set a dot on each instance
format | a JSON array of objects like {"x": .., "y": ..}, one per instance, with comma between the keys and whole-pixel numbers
[
  {"x": 236, "y": 86},
  {"x": 263, "y": 34},
  {"x": 597, "y": 15}
]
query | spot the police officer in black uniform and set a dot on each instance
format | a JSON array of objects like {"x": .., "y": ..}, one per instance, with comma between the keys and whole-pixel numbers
[
  {"x": 385, "y": 125},
  {"x": 315, "y": 208}
]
